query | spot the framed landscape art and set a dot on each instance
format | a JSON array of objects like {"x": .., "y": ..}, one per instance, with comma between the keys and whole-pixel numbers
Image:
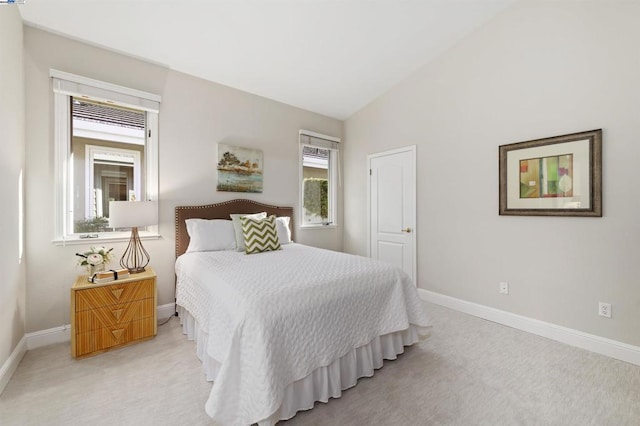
[
  {"x": 557, "y": 176},
  {"x": 239, "y": 169}
]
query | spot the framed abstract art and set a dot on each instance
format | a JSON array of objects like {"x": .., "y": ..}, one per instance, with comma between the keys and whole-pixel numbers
[{"x": 556, "y": 176}]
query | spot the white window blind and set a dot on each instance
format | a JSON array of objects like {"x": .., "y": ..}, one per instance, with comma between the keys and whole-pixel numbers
[{"x": 319, "y": 142}]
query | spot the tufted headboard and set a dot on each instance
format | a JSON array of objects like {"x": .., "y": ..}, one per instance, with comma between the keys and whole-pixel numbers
[{"x": 222, "y": 211}]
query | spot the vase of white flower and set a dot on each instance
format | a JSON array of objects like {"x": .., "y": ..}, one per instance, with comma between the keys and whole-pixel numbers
[
  {"x": 96, "y": 268},
  {"x": 95, "y": 259}
]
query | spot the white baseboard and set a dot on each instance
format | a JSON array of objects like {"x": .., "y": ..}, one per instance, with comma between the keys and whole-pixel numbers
[
  {"x": 590, "y": 342},
  {"x": 165, "y": 311},
  {"x": 10, "y": 365},
  {"x": 63, "y": 333},
  {"x": 37, "y": 339}
]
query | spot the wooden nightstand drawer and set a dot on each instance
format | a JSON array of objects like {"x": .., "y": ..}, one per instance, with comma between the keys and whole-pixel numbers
[
  {"x": 113, "y": 294},
  {"x": 114, "y": 315},
  {"x": 109, "y": 337}
]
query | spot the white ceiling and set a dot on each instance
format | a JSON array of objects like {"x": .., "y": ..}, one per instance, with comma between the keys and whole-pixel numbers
[{"x": 332, "y": 57}]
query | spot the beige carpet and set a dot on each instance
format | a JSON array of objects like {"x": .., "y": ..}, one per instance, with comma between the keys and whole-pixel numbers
[{"x": 470, "y": 372}]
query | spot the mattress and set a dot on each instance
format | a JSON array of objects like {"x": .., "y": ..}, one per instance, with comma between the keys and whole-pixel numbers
[{"x": 272, "y": 319}]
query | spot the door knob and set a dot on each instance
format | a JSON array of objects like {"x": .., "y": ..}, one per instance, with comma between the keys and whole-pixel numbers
[{"x": 407, "y": 230}]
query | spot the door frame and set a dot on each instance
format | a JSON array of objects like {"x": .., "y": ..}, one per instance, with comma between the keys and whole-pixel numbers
[{"x": 412, "y": 149}]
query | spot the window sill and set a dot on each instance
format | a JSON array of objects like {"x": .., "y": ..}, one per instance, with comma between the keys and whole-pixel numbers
[
  {"x": 314, "y": 227},
  {"x": 121, "y": 236}
]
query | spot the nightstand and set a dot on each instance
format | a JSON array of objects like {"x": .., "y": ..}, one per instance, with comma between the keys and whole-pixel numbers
[{"x": 114, "y": 314}]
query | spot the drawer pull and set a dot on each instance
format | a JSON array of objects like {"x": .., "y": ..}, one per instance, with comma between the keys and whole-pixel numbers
[
  {"x": 118, "y": 333},
  {"x": 117, "y": 313},
  {"x": 117, "y": 292}
]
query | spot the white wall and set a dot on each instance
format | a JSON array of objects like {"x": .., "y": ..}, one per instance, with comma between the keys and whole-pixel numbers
[
  {"x": 12, "y": 283},
  {"x": 194, "y": 116},
  {"x": 539, "y": 69}
]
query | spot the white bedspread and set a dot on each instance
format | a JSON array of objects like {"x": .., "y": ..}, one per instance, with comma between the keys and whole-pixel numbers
[{"x": 274, "y": 317}]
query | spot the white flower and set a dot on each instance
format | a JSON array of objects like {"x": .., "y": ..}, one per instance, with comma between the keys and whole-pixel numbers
[
  {"x": 95, "y": 256},
  {"x": 94, "y": 259}
]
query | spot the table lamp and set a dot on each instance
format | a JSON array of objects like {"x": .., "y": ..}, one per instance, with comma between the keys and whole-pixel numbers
[{"x": 133, "y": 214}]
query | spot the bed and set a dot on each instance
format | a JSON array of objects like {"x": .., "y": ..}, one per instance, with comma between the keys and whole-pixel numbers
[{"x": 279, "y": 330}]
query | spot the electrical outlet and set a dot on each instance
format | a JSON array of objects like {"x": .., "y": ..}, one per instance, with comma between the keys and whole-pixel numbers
[
  {"x": 504, "y": 288},
  {"x": 604, "y": 309}
]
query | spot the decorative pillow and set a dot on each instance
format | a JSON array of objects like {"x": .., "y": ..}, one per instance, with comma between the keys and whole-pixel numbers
[
  {"x": 210, "y": 235},
  {"x": 237, "y": 226},
  {"x": 284, "y": 232},
  {"x": 260, "y": 234}
]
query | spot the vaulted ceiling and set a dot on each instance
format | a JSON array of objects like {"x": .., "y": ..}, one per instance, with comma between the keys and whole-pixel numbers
[{"x": 332, "y": 57}]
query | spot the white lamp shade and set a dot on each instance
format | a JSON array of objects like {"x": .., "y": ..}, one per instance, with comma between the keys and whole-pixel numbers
[{"x": 130, "y": 214}]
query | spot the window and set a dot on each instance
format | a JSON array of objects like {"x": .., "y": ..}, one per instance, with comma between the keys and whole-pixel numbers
[
  {"x": 106, "y": 150},
  {"x": 107, "y": 144},
  {"x": 318, "y": 179}
]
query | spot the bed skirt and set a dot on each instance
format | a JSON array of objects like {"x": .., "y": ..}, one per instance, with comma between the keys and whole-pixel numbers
[{"x": 324, "y": 382}]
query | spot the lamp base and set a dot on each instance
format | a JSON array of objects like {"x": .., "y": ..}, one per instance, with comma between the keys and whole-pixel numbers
[{"x": 135, "y": 257}]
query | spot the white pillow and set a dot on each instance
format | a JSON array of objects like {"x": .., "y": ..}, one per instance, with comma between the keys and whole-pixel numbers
[
  {"x": 210, "y": 235},
  {"x": 284, "y": 232},
  {"x": 237, "y": 227}
]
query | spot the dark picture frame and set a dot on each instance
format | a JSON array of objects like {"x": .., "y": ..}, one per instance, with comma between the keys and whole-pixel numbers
[{"x": 556, "y": 176}]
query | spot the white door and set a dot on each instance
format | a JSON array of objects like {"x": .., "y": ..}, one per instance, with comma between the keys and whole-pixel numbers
[{"x": 392, "y": 208}]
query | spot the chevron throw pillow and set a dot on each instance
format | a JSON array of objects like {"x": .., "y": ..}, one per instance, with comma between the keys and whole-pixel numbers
[{"x": 260, "y": 234}]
